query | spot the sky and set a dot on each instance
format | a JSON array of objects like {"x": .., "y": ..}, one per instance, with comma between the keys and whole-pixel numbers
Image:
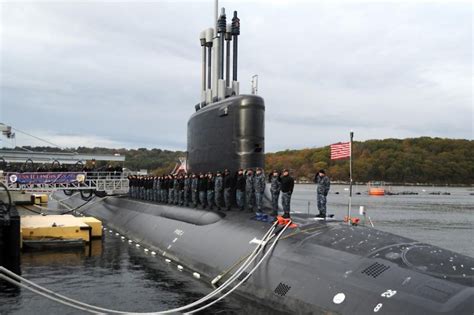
[{"x": 127, "y": 73}]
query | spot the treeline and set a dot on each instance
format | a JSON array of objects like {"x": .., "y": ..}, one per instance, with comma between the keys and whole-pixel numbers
[{"x": 416, "y": 160}]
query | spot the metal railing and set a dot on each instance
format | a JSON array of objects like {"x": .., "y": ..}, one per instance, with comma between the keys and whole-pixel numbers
[{"x": 109, "y": 182}]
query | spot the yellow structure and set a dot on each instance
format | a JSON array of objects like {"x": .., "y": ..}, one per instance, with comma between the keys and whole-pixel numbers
[
  {"x": 38, "y": 199},
  {"x": 95, "y": 225},
  {"x": 39, "y": 227}
]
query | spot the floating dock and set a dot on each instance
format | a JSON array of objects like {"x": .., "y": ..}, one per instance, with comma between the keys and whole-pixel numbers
[{"x": 60, "y": 227}]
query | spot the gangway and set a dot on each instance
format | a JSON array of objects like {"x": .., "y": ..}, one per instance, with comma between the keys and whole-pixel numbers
[{"x": 102, "y": 182}]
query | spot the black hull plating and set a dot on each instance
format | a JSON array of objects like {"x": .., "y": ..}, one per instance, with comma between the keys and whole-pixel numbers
[
  {"x": 375, "y": 272},
  {"x": 227, "y": 134}
]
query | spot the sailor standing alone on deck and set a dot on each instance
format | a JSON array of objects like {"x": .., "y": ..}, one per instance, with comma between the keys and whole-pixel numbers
[{"x": 322, "y": 191}]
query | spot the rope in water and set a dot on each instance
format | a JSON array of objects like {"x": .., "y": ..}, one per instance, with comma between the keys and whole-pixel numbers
[{"x": 15, "y": 279}]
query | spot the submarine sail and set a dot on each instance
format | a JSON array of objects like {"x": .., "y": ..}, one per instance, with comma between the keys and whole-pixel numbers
[{"x": 227, "y": 130}]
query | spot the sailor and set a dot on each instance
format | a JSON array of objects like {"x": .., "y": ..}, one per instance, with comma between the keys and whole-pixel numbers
[
  {"x": 202, "y": 188},
  {"x": 142, "y": 187},
  {"x": 187, "y": 190},
  {"x": 153, "y": 196},
  {"x": 176, "y": 190},
  {"x": 194, "y": 190},
  {"x": 164, "y": 189},
  {"x": 249, "y": 190},
  {"x": 322, "y": 191},
  {"x": 149, "y": 187},
  {"x": 240, "y": 190},
  {"x": 287, "y": 185},
  {"x": 275, "y": 187},
  {"x": 181, "y": 190},
  {"x": 130, "y": 186},
  {"x": 218, "y": 190},
  {"x": 227, "y": 189},
  {"x": 158, "y": 189},
  {"x": 170, "y": 189},
  {"x": 210, "y": 190},
  {"x": 259, "y": 188}
]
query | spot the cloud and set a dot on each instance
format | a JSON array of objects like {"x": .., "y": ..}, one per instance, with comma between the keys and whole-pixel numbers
[{"x": 127, "y": 73}]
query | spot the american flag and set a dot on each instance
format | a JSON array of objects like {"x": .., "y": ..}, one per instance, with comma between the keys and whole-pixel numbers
[{"x": 340, "y": 150}]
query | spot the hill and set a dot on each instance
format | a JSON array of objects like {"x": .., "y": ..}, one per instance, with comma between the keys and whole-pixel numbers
[{"x": 415, "y": 160}]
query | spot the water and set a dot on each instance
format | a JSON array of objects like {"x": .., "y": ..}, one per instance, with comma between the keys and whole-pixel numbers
[
  {"x": 113, "y": 274},
  {"x": 443, "y": 220}
]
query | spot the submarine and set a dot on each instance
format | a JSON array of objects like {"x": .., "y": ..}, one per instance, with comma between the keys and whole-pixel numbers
[{"x": 315, "y": 266}]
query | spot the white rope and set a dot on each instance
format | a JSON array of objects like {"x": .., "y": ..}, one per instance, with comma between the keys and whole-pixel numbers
[
  {"x": 93, "y": 309},
  {"x": 246, "y": 277},
  {"x": 45, "y": 295}
]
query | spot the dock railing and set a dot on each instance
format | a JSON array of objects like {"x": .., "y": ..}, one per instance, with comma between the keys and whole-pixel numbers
[{"x": 109, "y": 182}]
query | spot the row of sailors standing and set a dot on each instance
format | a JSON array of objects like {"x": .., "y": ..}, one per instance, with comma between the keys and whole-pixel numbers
[{"x": 219, "y": 190}]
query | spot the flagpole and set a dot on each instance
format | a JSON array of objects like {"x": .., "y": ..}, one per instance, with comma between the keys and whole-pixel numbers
[{"x": 350, "y": 178}]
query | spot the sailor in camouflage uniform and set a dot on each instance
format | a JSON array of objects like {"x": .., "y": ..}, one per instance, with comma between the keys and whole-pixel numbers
[
  {"x": 259, "y": 188},
  {"x": 164, "y": 189},
  {"x": 170, "y": 189},
  {"x": 240, "y": 190},
  {"x": 218, "y": 190},
  {"x": 202, "y": 188},
  {"x": 249, "y": 190},
  {"x": 181, "y": 190},
  {"x": 323, "y": 189},
  {"x": 210, "y": 190},
  {"x": 176, "y": 190},
  {"x": 194, "y": 190},
  {"x": 187, "y": 190},
  {"x": 227, "y": 189},
  {"x": 275, "y": 187}
]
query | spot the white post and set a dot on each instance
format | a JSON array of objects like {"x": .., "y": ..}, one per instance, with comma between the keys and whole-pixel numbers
[{"x": 350, "y": 179}]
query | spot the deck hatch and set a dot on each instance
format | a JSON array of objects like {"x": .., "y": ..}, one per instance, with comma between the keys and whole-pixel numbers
[
  {"x": 375, "y": 270},
  {"x": 282, "y": 289}
]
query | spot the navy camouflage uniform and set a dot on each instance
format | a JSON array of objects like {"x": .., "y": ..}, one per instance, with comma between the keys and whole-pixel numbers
[
  {"x": 322, "y": 191},
  {"x": 240, "y": 191},
  {"x": 275, "y": 187},
  {"x": 259, "y": 188},
  {"x": 187, "y": 190},
  {"x": 218, "y": 190},
  {"x": 170, "y": 190},
  {"x": 194, "y": 191},
  {"x": 249, "y": 192},
  {"x": 210, "y": 192},
  {"x": 227, "y": 190}
]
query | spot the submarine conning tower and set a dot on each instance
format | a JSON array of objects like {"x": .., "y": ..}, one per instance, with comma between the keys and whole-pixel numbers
[{"x": 228, "y": 129}]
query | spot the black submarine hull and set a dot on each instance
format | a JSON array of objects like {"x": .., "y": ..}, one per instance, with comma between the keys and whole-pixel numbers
[
  {"x": 227, "y": 134},
  {"x": 316, "y": 268}
]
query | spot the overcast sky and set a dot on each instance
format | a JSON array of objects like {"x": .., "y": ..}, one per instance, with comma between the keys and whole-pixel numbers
[{"x": 127, "y": 74}]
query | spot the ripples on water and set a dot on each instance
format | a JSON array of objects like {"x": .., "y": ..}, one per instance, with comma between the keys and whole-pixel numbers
[
  {"x": 443, "y": 220},
  {"x": 116, "y": 275}
]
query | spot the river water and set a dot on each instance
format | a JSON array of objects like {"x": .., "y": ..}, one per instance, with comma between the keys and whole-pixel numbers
[{"x": 113, "y": 274}]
